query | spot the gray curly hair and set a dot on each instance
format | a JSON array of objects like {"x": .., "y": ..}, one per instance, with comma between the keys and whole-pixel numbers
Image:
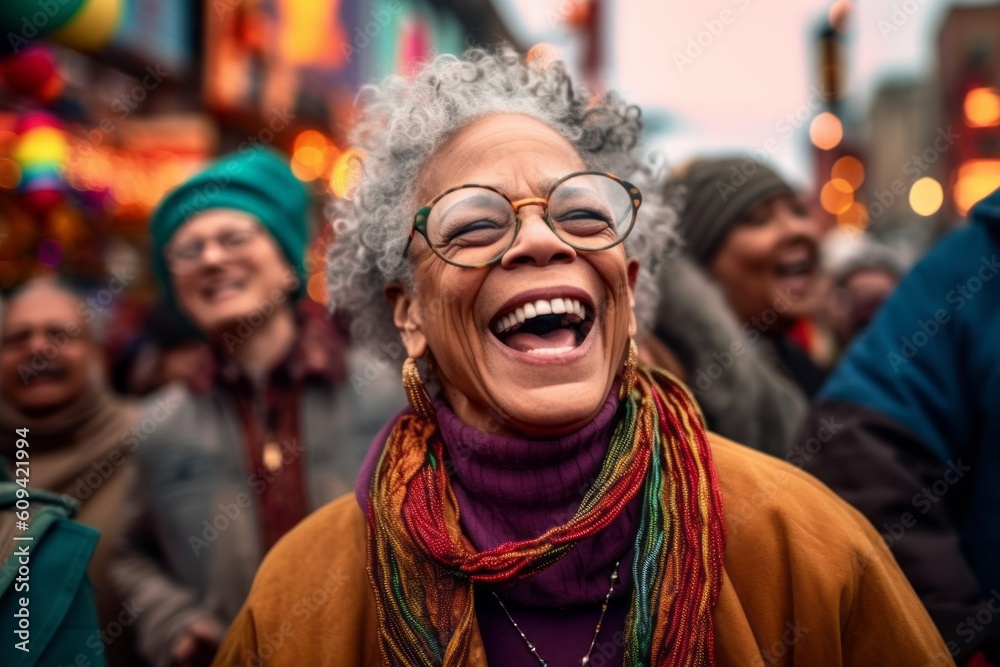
[{"x": 404, "y": 122}]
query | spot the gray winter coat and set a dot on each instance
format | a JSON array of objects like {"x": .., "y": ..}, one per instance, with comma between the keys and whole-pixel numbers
[
  {"x": 191, "y": 542},
  {"x": 732, "y": 370}
]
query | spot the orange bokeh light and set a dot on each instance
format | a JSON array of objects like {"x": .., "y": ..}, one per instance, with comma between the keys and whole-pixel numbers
[
  {"x": 311, "y": 138},
  {"x": 836, "y": 196},
  {"x": 303, "y": 171},
  {"x": 316, "y": 287},
  {"x": 982, "y": 107},
  {"x": 826, "y": 131},
  {"x": 850, "y": 169},
  {"x": 309, "y": 156},
  {"x": 976, "y": 179}
]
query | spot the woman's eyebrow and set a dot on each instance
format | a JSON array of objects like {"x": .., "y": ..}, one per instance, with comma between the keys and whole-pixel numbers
[{"x": 545, "y": 187}]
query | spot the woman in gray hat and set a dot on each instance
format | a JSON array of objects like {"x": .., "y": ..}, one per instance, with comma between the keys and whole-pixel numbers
[{"x": 746, "y": 275}]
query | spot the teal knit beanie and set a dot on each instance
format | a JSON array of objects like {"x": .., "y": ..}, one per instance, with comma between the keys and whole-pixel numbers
[{"x": 257, "y": 181}]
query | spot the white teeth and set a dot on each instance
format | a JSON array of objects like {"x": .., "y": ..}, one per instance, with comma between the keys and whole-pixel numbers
[
  {"x": 222, "y": 287},
  {"x": 541, "y": 307},
  {"x": 551, "y": 350}
]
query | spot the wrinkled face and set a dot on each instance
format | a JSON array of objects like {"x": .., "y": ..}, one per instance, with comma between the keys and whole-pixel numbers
[
  {"x": 225, "y": 266},
  {"x": 533, "y": 343},
  {"x": 46, "y": 351},
  {"x": 768, "y": 262}
]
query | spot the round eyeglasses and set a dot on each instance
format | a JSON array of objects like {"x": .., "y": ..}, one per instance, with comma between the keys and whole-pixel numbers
[
  {"x": 473, "y": 226},
  {"x": 185, "y": 258}
]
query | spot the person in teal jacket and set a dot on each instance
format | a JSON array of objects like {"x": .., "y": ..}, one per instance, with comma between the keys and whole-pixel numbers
[
  {"x": 47, "y": 610},
  {"x": 907, "y": 429}
]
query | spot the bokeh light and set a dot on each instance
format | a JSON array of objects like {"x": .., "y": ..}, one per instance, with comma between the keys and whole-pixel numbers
[
  {"x": 346, "y": 174},
  {"x": 826, "y": 131},
  {"x": 850, "y": 169},
  {"x": 982, "y": 107},
  {"x": 310, "y": 155},
  {"x": 303, "y": 171},
  {"x": 310, "y": 138},
  {"x": 41, "y": 145},
  {"x": 840, "y": 14},
  {"x": 313, "y": 154},
  {"x": 926, "y": 196},
  {"x": 316, "y": 287},
  {"x": 836, "y": 196},
  {"x": 976, "y": 179}
]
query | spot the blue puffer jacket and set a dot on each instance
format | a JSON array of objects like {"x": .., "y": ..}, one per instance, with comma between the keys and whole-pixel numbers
[{"x": 908, "y": 430}]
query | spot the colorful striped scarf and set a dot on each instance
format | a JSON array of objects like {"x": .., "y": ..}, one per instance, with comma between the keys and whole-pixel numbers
[{"x": 423, "y": 569}]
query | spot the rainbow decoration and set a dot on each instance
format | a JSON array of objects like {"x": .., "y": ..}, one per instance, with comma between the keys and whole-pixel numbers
[
  {"x": 86, "y": 25},
  {"x": 41, "y": 152}
]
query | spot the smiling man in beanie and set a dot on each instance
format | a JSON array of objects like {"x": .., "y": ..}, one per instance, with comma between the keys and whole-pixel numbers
[{"x": 222, "y": 475}]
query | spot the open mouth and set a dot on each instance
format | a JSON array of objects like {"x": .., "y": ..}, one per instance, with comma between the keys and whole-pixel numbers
[
  {"x": 51, "y": 374},
  {"x": 795, "y": 269},
  {"x": 545, "y": 326}
]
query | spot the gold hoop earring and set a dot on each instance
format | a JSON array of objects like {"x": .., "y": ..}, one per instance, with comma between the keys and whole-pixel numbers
[
  {"x": 629, "y": 371},
  {"x": 416, "y": 393}
]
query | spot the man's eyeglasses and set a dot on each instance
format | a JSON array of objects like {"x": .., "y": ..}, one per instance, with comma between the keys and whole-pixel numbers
[{"x": 186, "y": 257}]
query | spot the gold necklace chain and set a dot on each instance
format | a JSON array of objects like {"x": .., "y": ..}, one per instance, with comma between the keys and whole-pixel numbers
[{"x": 531, "y": 647}]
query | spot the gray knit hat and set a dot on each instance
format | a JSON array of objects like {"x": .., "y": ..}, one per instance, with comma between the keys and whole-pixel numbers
[{"x": 719, "y": 192}]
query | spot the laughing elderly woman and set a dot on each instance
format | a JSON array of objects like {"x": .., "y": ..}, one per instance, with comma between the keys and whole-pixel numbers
[{"x": 553, "y": 504}]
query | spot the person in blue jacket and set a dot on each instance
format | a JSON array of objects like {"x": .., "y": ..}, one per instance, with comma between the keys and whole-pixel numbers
[{"x": 907, "y": 429}]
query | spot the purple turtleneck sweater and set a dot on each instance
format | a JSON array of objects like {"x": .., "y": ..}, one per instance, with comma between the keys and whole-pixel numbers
[{"x": 510, "y": 488}]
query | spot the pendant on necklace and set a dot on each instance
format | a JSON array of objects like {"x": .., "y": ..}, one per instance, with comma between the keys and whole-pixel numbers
[{"x": 272, "y": 456}]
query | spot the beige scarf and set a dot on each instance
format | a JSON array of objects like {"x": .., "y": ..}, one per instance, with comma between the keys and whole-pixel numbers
[{"x": 66, "y": 443}]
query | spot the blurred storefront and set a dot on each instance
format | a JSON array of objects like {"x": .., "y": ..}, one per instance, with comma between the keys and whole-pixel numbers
[
  {"x": 968, "y": 50},
  {"x": 94, "y": 131}
]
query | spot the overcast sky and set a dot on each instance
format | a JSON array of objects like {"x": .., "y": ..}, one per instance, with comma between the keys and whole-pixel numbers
[{"x": 752, "y": 76}]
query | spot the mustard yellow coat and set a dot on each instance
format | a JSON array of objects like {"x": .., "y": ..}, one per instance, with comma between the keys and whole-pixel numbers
[{"x": 807, "y": 582}]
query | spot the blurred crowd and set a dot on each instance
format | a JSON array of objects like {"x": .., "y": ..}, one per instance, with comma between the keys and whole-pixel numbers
[{"x": 238, "y": 407}]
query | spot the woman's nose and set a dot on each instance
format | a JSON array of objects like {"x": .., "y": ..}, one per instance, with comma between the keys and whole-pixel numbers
[{"x": 536, "y": 242}]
